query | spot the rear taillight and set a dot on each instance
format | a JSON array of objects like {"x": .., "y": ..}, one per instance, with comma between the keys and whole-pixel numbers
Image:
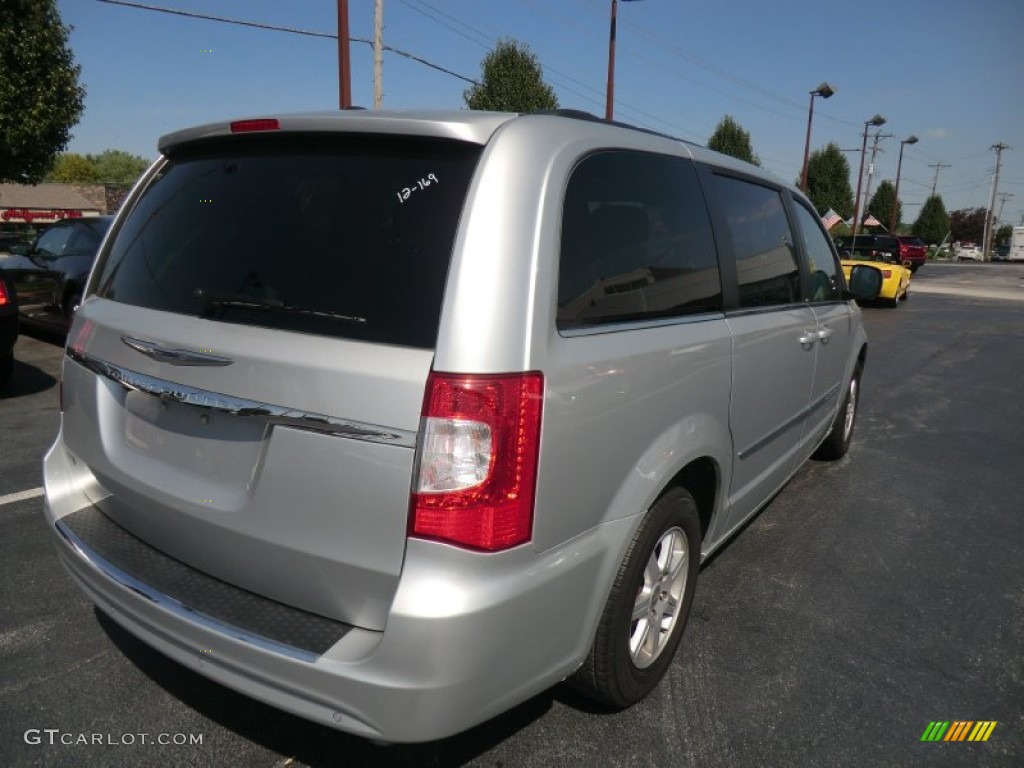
[
  {"x": 477, "y": 469},
  {"x": 886, "y": 273},
  {"x": 261, "y": 124},
  {"x": 5, "y": 297},
  {"x": 79, "y": 336}
]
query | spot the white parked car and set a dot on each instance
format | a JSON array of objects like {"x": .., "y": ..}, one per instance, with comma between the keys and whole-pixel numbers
[{"x": 969, "y": 253}]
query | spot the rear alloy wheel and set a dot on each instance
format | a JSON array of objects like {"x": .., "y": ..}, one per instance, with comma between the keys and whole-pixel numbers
[
  {"x": 840, "y": 435},
  {"x": 647, "y": 608}
]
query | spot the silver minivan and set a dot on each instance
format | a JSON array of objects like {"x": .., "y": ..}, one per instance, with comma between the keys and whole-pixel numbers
[{"x": 394, "y": 420}]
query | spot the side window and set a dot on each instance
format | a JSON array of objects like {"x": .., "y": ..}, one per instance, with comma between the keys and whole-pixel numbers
[
  {"x": 54, "y": 241},
  {"x": 824, "y": 271},
  {"x": 636, "y": 242},
  {"x": 766, "y": 265}
]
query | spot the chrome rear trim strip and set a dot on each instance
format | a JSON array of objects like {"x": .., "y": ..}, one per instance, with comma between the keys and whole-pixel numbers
[
  {"x": 164, "y": 354},
  {"x": 275, "y": 415}
]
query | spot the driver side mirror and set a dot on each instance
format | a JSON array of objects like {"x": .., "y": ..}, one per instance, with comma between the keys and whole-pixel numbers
[{"x": 865, "y": 282}]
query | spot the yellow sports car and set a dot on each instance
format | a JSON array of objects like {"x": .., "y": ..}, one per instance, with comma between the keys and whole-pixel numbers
[{"x": 895, "y": 276}]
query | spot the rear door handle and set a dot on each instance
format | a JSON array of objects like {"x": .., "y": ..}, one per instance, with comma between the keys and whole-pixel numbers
[{"x": 825, "y": 334}]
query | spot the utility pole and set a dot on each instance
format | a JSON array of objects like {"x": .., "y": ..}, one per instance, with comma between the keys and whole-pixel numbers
[
  {"x": 344, "y": 67},
  {"x": 871, "y": 166},
  {"x": 609, "y": 99},
  {"x": 989, "y": 217},
  {"x": 1003, "y": 197},
  {"x": 938, "y": 167},
  {"x": 378, "y": 53}
]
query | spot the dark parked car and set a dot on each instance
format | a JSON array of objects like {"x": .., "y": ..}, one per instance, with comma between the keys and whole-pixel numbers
[
  {"x": 49, "y": 275},
  {"x": 8, "y": 328},
  {"x": 914, "y": 250},
  {"x": 869, "y": 247}
]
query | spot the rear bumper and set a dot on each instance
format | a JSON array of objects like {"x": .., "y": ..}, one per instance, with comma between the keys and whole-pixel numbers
[{"x": 468, "y": 635}]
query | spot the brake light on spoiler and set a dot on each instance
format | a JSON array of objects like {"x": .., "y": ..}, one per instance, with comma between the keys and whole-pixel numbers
[{"x": 259, "y": 124}]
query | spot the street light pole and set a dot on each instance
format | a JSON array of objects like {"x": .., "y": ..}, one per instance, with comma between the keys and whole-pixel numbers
[
  {"x": 876, "y": 121},
  {"x": 824, "y": 90},
  {"x": 896, "y": 195}
]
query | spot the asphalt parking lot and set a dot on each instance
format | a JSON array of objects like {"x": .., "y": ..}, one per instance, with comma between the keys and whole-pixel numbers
[{"x": 871, "y": 597}]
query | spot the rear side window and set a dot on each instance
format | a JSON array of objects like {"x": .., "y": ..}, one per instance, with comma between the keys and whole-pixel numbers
[
  {"x": 636, "y": 242},
  {"x": 339, "y": 236},
  {"x": 766, "y": 265}
]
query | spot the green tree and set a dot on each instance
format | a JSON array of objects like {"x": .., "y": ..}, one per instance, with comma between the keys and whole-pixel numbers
[
  {"x": 72, "y": 168},
  {"x": 1003, "y": 234},
  {"x": 932, "y": 223},
  {"x": 881, "y": 204},
  {"x": 968, "y": 224},
  {"x": 828, "y": 181},
  {"x": 731, "y": 139},
  {"x": 511, "y": 80},
  {"x": 118, "y": 166},
  {"x": 40, "y": 98}
]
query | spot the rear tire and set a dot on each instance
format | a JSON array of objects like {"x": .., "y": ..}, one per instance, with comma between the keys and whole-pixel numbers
[
  {"x": 840, "y": 435},
  {"x": 647, "y": 608}
]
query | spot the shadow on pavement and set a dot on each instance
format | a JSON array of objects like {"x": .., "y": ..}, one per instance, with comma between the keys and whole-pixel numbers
[{"x": 26, "y": 380}]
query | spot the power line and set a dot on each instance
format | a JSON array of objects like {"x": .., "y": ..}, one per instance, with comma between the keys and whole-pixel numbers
[{"x": 290, "y": 30}]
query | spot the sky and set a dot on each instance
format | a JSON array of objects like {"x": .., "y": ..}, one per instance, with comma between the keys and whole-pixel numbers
[{"x": 950, "y": 72}]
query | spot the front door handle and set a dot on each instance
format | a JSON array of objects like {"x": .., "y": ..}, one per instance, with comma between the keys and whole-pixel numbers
[{"x": 809, "y": 338}]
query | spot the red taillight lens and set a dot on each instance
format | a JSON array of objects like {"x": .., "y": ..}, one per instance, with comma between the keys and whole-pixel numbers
[
  {"x": 248, "y": 126},
  {"x": 479, "y": 442},
  {"x": 79, "y": 336},
  {"x": 4, "y": 298},
  {"x": 886, "y": 273}
]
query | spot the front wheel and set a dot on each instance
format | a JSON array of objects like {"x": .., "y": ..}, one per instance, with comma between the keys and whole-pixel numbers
[
  {"x": 647, "y": 608},
  {"x": 840, "y": 435}
]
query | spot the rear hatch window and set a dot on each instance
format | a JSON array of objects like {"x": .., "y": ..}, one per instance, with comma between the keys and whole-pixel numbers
[{"x": 342, "y": 236}]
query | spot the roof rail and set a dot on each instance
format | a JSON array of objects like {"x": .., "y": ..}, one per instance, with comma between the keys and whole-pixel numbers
[{"x": 579, "y": 114}]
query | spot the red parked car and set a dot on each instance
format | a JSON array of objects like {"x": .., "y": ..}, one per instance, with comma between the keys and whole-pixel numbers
[{"x": 914, "y": 250}]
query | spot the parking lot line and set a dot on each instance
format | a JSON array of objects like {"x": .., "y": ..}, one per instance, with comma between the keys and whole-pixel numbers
[{"x": 11, "y": 498}]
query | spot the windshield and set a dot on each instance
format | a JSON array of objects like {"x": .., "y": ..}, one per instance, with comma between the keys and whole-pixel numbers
[{"x": 338, "y": 236}]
